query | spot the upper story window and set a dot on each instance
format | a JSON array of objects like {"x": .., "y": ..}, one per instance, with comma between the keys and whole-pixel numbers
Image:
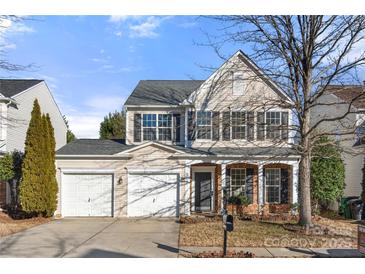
[
  {"x": 237, "y": 83},
  {"x": 157, "y": 127},
  {"x": 149, "y": 127},
  {"x": 272, "y": 125},
  {"x": 238, "y": 125},
  {"x": 164, "y": 127},
  {"x": 204, "y": 124},
  {"x": 273, "y": 122}
]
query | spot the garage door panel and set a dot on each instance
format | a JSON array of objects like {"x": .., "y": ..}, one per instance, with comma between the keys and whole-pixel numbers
[
  {"x": 87, "y": 194},
  {"x": 152, "y": 195}
]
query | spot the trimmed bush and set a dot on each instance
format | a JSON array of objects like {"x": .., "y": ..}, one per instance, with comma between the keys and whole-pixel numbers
[{"x": 327, "y": 173}]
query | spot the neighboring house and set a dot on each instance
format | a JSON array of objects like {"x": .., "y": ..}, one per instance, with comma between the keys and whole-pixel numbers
[
  {"x": 186, "y": 141},
  {"x": 16, "y": 104},
  {"x": 348, "y": 131}
]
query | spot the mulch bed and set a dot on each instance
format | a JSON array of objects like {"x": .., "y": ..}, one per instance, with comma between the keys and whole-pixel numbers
[{"x": 9, "y": 225}]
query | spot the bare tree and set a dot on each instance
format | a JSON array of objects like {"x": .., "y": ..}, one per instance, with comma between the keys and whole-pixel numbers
[
  {"x": 6, "y": 22},
  {"x": 304, "y": 55}
]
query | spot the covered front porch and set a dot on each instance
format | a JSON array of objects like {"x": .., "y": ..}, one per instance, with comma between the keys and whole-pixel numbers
[{"x": 270, "y": 186}]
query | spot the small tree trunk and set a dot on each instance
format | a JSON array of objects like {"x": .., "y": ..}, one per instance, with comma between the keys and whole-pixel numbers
[
  {"x": 305, "y": 217},
  {"x": 13, "y": 193}
]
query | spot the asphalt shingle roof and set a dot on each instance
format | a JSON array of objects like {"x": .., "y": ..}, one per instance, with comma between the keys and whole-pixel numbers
[
  {"x": 111, "y": 147},
  {"x": 354, "y": 94},
  {"x": 162, "y": 92},
  {"x": 11, "y": 87},
  {"x": 93, "y": 147},
  {"x": 241, "y": 151}
]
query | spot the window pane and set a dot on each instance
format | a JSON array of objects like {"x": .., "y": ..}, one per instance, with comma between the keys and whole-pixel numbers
[
  {"x": 272, "y": 194},
  {"x": 204, "y": 118},
  {"x": 149, "y": 134},
  {"x": 204, "y": 128},
  {"x": 164, "y": 120},
  {"x": 164, "y": 134},
  {"x": 272, "y": 185},
  {"x": 238, "y": 181},
  {"x": 149, "y": 120},
  {"x": 238, "y": 125},
  {"x": 273, "y": 128}
]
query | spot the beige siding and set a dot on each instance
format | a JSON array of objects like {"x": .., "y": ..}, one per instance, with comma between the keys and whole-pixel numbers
[
  {"x": 353, "y": 156},
  {"x": 19, "y": 117},
  {"x": 147, "y": 158},
  {"x": 216, "y": 94}
]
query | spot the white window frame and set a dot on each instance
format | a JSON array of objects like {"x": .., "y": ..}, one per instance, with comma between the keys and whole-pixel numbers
[
  {"x": 245, "y": 125},
  {"x": 242, "y": 186},
  {"x": 278, "y": 125},
  {"x": 266, "y": 186},
  {"x": 163, "y": 127},
  {"x": 238, "y": 83},
  {"x": 211, "y": 125},
  {"x": 157, "y": 127}
]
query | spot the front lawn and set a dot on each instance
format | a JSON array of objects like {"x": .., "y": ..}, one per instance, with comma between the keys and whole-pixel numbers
[
  {"x": 326, "y": 233},
  {"x": 9, "y": 226}
]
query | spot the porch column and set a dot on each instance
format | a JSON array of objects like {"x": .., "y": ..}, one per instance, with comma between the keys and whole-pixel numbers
[
  {"x": 187, "y": 182},
  {"x": 223, "y": 180},
  {"x": 295, "y": 180},
  {"x": 261, "y": 184}
]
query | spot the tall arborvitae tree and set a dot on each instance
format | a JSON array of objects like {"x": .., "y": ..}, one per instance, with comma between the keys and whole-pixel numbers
[
  {"x": 38, "y": 188},
  {"x": 51, "y": 182},
  {"x": 31, "y": 186}
]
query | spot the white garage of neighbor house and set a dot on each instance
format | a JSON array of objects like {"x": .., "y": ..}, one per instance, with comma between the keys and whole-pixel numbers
[{"x": 109, "y": 178}]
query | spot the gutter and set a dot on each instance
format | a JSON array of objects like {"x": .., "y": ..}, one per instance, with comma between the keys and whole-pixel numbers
[
  {"x": 93, "y": 157},
  {"x": 229, "y": 157}
]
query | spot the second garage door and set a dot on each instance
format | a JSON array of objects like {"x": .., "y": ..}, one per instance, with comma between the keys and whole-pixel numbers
[
  {"x": 87, "y": 195},
  {"x": 152, "y": 195}
]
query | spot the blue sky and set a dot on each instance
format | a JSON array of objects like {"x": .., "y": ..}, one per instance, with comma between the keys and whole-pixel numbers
[{"x": 92, "y": 63}]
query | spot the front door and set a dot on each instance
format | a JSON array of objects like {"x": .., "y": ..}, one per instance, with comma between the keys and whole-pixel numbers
[{"x": 203, "y": 191}]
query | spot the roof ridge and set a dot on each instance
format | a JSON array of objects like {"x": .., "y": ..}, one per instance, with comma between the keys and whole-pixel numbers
[{"x": 172, "y": 80}]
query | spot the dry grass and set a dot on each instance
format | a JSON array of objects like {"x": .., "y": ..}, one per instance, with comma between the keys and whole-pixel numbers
[
  {"x": 9, "y": 226},
  {"x": 327, "y": 233}
]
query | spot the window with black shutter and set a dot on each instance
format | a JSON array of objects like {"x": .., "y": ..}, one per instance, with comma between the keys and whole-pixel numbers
[
  {"x": 250, "y": 125},
  {"x": 215, "y": 128},
  {"x": 226, "y": 126},
  {"x": 191, "y": 125},
  {"x": 284, "y": 124},
  {"x": 284, "y": 187},
  {"x": 260, "y": 126},
  {"x": 137, "y": 132},
  {"x": 177, "y": 127}
]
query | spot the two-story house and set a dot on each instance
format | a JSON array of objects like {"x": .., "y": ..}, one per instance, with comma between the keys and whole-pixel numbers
[
  {"x": 16, "y": 104},
  {"x": 187, "y": 140},
  {"x": 348, "y": 103}
]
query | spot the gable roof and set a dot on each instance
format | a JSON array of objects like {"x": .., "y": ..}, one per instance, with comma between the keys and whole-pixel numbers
[
  {"x": 93, "y": 147},
  {"x": 354, "y": 94},
  {"x": 162, "y": 92},
  {"x": 256, "y": 69},
  {"x": 12, "y": 87}
]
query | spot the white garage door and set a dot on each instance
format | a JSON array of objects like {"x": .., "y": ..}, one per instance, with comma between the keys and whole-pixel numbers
[
  {"x": 152, "y": 195},
  {"x": 87, "y": 195}
]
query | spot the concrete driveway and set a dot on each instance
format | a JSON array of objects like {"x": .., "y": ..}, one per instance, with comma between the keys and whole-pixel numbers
[{"x": 95, "y": 238}]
